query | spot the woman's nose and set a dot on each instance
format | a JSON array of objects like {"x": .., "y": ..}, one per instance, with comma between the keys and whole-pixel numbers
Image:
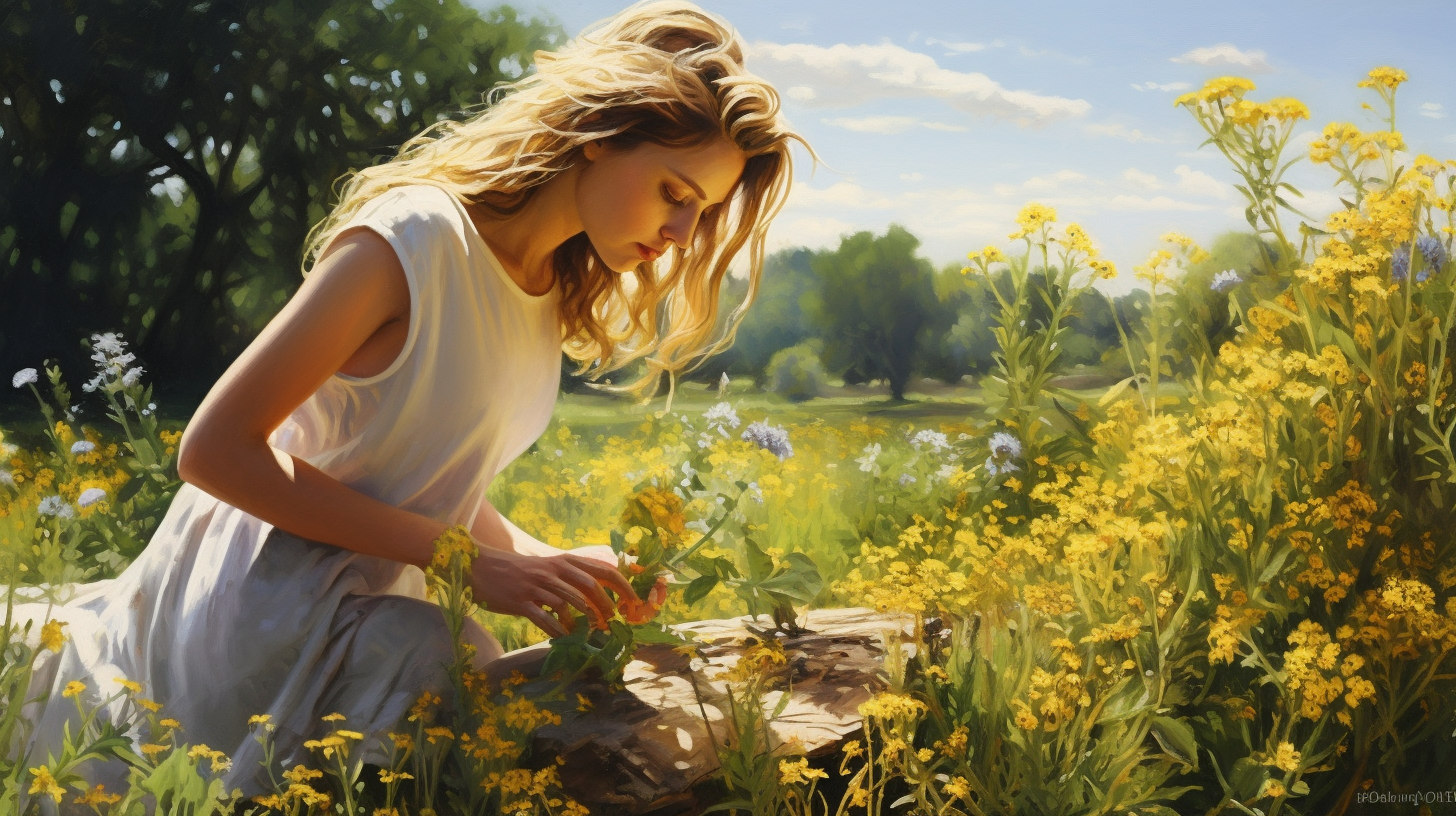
[{"x": 679, "y": 229}]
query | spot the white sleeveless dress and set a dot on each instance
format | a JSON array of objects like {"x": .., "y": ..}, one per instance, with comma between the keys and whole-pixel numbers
[{"x": 224, "y": 616}]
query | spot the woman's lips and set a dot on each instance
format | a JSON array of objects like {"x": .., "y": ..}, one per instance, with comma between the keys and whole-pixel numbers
[{"x": 648, "y": 253}]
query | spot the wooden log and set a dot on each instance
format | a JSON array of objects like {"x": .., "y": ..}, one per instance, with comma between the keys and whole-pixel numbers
[{"x": 643, "y": 748}]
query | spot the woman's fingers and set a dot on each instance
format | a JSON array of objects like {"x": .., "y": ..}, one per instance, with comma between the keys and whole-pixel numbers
[
  {"x": 579, "y": 581},
  {"x": 566, "y": 590},
  {"x": 605, "y": 574}
]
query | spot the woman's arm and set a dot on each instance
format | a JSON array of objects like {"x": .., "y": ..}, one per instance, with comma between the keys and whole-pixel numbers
[
  {"x": 494, "y": 529},
  {"x": 357, "y": 287}
]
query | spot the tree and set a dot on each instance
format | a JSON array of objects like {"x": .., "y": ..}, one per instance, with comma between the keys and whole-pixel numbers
[
  {"x": 874, "y": 306},
  {"x": 169, "y": 158}
]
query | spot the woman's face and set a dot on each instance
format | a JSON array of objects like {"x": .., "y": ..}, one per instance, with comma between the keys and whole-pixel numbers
[{"x": 635, "y": 203}]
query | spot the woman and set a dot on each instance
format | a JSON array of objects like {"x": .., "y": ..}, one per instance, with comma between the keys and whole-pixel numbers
[{"x": 607, "y": 191}]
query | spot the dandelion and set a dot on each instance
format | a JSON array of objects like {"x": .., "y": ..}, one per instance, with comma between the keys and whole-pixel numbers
[
  {"x": 773, "y": 439},
  {"x": 1225, "y": 280},
  {"x": 73, "y": 688},
  {"x": 130, "y": 685},
  {"x": 25, "y": 376},
  {"x": 56, "y": 506},
  {"x": 90, "y": 496}
]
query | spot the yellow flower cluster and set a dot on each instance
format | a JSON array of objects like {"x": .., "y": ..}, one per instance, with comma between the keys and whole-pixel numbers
[
  {"x": 1315, "y": 672},
  {"x": 798, "y": 772},
  {"x": 455, "y": 542},
  {"x": 1033, "y": 219},
  {"x": 1384, "y": 77},
  {"x": 1216, "y": 91}
]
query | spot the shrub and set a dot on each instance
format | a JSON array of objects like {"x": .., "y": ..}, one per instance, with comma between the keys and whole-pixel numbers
[{"x": 795, "y": 373}]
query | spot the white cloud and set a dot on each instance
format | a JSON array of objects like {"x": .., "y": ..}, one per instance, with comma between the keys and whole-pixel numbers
[
  {"x": 1053, "y": 181},
  {"x": 809, "y": 231},
  {"x": 1226, "y": 54},
  {"x": 1134, "y": 202},
  {"x": 839, "y": 194},
  {"x": 1147, "y": 181},
  {"x": 886, "y": 124},
  {"x": 1166, "y": 86},
  {"x": 801, "y": 93},
  {"x": 962, "y": 47},
  {"x": 844, "y": 75},
  {"x": 1200, "y": 183},
  {"x": 873, "y": 124},
  {"x": 911, "y": 177},
  {"x": 1117, "y": 130},
  {"x": 1433, "y": 110}
]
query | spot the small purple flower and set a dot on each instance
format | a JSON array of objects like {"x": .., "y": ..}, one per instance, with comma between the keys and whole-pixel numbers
[
  {"x": 906, "y": 479},
  {"x": 772, "y": 439},
  {"x": 1433, "y": 252},
  {"x": 1225, "y": 280}
]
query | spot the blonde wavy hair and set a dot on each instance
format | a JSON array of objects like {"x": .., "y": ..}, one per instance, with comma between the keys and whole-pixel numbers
[{"x": 664, "y": 72}]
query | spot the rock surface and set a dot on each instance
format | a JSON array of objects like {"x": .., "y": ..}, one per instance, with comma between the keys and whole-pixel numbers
[{"x": 643, "y": 748}]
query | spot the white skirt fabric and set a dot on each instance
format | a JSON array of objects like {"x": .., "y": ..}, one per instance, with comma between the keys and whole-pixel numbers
[{"x": 224, "y": 617}]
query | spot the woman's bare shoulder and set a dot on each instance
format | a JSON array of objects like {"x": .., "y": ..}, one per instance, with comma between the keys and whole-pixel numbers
[{"x": 357, "y": 287}]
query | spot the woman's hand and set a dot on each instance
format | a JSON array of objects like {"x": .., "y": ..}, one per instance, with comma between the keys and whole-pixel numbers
[{"x": 527, "y": 585}]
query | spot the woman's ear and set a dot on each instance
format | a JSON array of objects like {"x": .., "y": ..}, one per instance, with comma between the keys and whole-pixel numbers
[{"x": 592, "y": 150}]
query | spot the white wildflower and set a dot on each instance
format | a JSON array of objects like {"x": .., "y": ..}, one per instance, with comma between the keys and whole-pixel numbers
[
  {"x": 91, "y": 496},
  {"x": 132, "y": 376},
  {"x": 83, "y": 446},
  {"x": 24, "y": 376},
  {"x": 871, "y": 455}
]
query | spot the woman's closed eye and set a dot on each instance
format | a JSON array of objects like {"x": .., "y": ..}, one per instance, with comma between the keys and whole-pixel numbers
[{"x": 670, "y": 198}]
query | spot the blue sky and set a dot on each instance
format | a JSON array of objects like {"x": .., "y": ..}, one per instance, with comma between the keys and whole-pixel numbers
[{"x": 948, "y": 117}]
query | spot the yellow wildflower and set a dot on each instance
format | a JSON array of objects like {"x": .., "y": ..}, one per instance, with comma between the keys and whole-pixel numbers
[
  {"x": 1384, "y": 77},
  {"x": 1285, "y": 758},
  {"x": 98, "y": 796},
  {"x": 1032, "y": 218},
  {"x": 46, "y": 784},
  {"x": 798, "y": 772},
  {"x": 73, "y": 688},
  {"x": 51, "y": 636}
]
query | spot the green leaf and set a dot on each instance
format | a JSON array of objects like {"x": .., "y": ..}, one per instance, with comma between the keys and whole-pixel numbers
[
  {"x": 699, "y": 588},
  {"x": 1176, "y": 739}
]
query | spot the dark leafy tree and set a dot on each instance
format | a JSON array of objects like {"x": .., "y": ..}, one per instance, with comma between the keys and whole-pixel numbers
[
  {"x": 161, "y": 162},
  {"x": 875, "y": 306}
]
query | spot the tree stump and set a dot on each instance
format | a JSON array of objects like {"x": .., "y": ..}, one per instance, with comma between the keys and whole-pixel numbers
[{"x": 643, "y": 748}]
